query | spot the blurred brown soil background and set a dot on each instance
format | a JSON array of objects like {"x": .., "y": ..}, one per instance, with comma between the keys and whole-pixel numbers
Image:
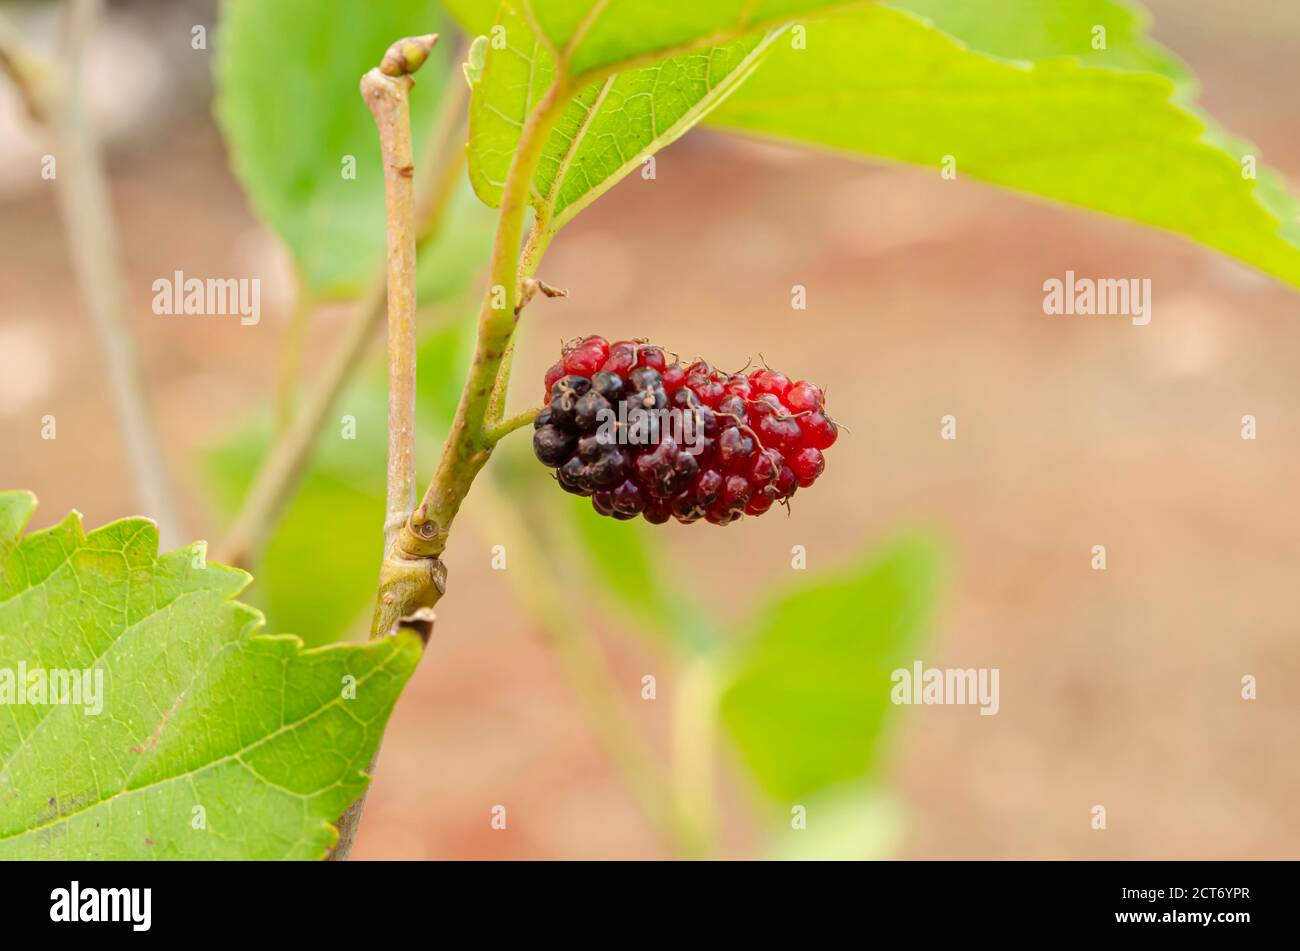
[{"x": 924, "y": 298}]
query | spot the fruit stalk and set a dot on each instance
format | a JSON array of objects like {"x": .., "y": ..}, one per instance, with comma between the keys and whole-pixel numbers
[{"x": 504, "y": 428}]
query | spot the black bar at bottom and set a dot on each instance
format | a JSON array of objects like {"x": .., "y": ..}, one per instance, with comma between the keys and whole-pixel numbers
[{"x": 1177, "y": 900}]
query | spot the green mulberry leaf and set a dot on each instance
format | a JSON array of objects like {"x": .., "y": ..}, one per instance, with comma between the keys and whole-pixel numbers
[
  {"x": 606, "y": 129},
  {"x": 188, "y": 734},
  {"x": 300, "y": 137},
  {"x": 1113, "y": 131}
]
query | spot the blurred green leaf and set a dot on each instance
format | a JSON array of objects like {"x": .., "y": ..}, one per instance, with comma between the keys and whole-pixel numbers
[
  {"x": 443, "y": 363},
  {"x": 474, "y": 16},
  {"x": 810, "y": 688},
  {"x": 845, "y": 823},
  {"x": 635, "y": 573},
  {"x": 1035, "y": 29},
  {"x": 879, "y": 82},
  {"x": 287, "y": 77},
  {"x": 453, "y": 258},
  {"x": 317, "y": 573}
]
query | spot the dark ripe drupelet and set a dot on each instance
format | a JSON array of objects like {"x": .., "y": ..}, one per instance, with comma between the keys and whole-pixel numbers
[
  {"x": 656, "y": 468},
  {"x": 608, "y": 469},
  {"x": 707, "y": 487},
  {"x": 590, "y": 410},
  {"x": 686, "y": 508},
  {"x": 641, "y": 436},
  {"x": 590, "y": 448},
  {"x": 608, "y": 385},
  {"x": 603, "y": 502},
  {"x": 656, "y": 512},
  {"x": 645, "y": 390},
  {"x": 553, "y": 445},
  {"x": 623, "y": 502},
  {"x": 565, "y": 393},
  {"x": 686, "y": 468},
  {"x": 574, "y": 477}
]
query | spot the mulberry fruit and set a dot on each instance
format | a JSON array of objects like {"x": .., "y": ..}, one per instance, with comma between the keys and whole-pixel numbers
[{"x": 639, "y": 435}]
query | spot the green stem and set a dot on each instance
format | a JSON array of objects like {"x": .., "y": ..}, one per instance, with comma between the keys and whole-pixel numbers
[
  {"x": 539, "y": 239},
  {"x": 694, "y": 745},
  {"x": 29, "y": 75},
  {"x": 95, "y": 249},
  {"x": 467, "y": 448},
  {"x": 579, "y": 655},
  {"x": 295, "y": 338},
  {"x": 506, "y": 427},
  {"x": 497, "y": 402}
]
